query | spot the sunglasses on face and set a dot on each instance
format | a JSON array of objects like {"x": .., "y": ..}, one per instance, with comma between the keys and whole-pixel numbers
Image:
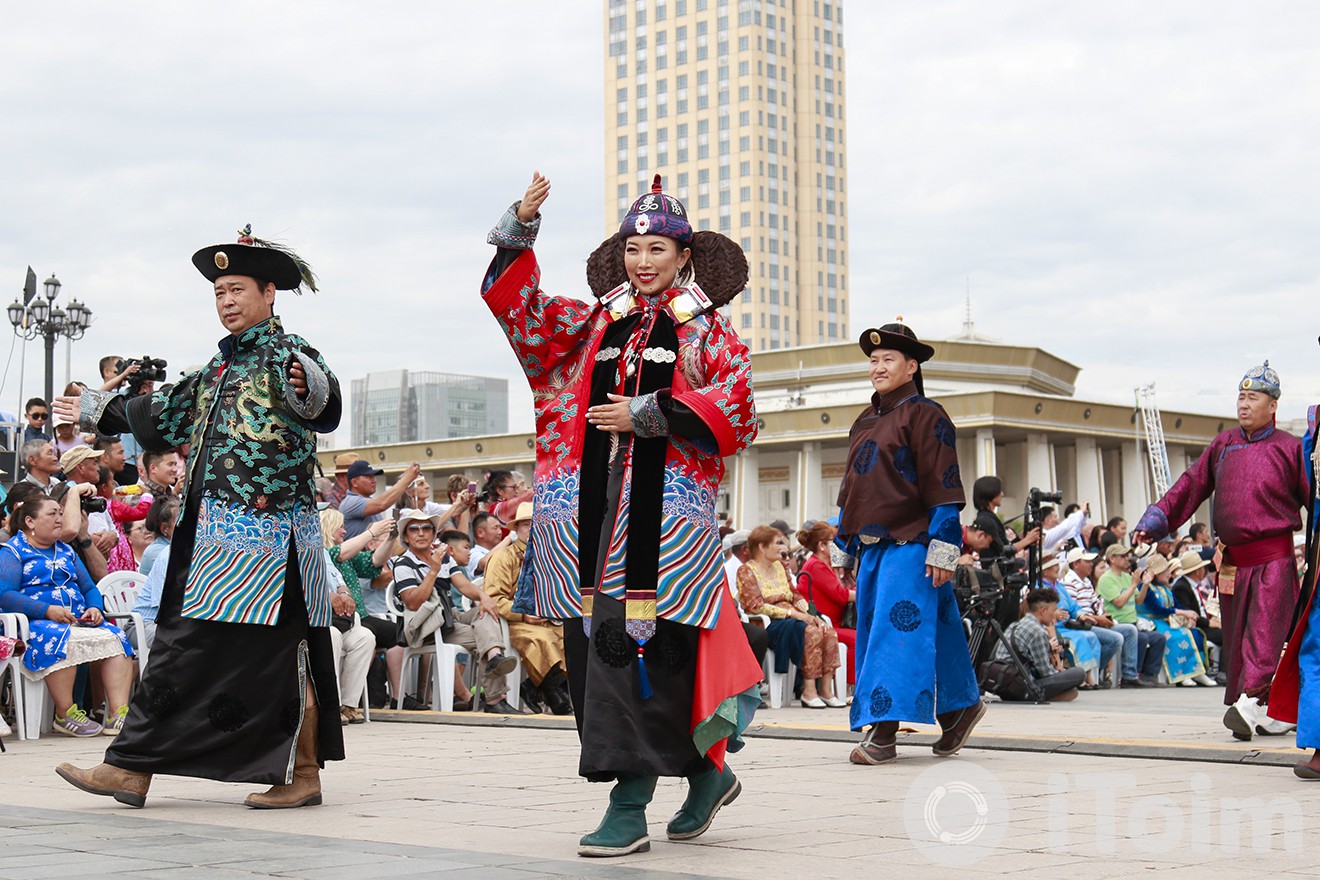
[
  {"x": 38, "y": 416},
  {"x": 417, "y": 528}
]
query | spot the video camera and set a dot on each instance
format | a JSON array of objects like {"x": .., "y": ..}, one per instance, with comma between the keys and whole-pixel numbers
[
  {"x": 150, "y": 369},
  {"x": 979, "y": 588}
]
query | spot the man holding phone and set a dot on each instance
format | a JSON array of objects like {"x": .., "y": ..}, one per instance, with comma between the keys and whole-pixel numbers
[{"x": 362, "y": 506}]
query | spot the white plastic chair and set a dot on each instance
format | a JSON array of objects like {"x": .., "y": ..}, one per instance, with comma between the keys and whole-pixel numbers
[
  {"x": 38, "y": 705},
  {"x": 443, "y": 657},
  {"x": 514, "y": 679},
  {"x": 119, "y": 591},
  {"x": 10, "y": 627}
]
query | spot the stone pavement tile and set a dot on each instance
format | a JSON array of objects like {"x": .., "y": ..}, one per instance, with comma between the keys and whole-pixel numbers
[
  {"x": 67, "y": 864},
  {"x": 12, "y": 851},
  {"x": 201, "y": 872},
  {"x": 410, "y": 868}
]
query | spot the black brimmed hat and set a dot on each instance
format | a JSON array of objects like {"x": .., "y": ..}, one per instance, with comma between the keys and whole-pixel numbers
[
  {"x": 896, "y": 337},
  {"x": 257, "y": 259}
]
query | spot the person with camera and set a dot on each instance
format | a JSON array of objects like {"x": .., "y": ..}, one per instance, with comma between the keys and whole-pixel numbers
[
  {"x": 362, "y": 506},
  {"x": 241, "y": 662},
  {"x": 1030, "y": 638},
  {"x": 1260, "y": 481},
  {"x": 899, "y": 501},
  {"x": 1122, "y": 593}
]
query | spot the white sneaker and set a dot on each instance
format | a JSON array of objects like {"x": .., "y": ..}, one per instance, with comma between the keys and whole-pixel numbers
[
  {"x": 1187, "y": 683},
  {"x": 5, "y": 729},
  {"x": 1204, "y": 680},
  {"x": 1267, "y": 726},
  {"x": 1241, "y": 717}
]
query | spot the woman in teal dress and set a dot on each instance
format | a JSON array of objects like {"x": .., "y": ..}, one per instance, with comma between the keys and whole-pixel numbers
[{"x": 1182, "y": 653}]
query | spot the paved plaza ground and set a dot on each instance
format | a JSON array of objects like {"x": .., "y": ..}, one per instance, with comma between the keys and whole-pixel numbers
[{"x": 1116, "y": 784}]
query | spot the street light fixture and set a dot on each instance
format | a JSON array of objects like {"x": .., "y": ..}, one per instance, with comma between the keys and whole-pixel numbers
[{"x": 42, "y": 318}]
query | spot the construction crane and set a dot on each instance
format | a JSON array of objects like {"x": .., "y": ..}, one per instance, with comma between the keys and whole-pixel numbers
[{"x": 1157, "y": 451}]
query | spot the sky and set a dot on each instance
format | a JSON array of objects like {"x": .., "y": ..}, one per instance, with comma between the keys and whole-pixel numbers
[{"x": 1131, "y": 186}]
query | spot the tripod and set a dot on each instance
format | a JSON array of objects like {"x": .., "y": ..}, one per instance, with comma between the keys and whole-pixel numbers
[{"x": 980, "y": 616}]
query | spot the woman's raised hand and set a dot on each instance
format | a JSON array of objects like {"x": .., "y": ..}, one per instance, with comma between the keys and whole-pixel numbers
[{"x": 537, "y": 192}]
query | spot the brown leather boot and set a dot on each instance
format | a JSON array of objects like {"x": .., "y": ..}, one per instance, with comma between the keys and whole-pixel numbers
[
  {"x": 124, "y": 786},
  {"x": 305, "y": 790},
  {"x": 957, "y": 727}
]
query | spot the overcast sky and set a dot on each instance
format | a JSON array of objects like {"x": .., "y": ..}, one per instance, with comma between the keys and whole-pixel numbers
[{"x": 1132, "y": 186}]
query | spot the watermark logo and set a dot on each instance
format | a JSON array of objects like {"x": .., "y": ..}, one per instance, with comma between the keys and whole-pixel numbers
[{"x": 955, "y": 813}]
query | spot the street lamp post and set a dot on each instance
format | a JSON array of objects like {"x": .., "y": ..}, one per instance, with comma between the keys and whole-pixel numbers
[{"x": 41, "y": 317}]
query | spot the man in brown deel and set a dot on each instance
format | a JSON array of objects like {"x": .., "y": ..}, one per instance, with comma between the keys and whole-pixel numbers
[{"x": 899, "y": 504}]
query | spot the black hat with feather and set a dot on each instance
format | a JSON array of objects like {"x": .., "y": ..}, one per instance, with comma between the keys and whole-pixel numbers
[
  {"x": 256, "y": 258},
  {"x": 718, "y": 263}
]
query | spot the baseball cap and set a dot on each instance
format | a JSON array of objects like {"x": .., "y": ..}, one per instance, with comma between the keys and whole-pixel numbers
[
  {"x": 1115, "y": 550},
  {"x": 739, "y": 538},
  {"x": 361, "y": 468},
  {"x": 1078, "y": 554}
]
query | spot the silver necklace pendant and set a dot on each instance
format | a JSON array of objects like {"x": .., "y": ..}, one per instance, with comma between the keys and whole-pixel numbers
[{"x": 632, "y": 367}]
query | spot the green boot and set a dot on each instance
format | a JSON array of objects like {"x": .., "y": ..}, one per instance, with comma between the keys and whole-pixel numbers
[
  {"x": 706, "y": 794},
  {"x": 623, "y": 830}
]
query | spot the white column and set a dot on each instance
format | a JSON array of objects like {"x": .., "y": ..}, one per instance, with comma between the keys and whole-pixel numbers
[
  {"x": 985, "y": 452},
  {"x": 1090, "y": 478},
  {"x": 1136, "y": 495},
  {"x": 811, "y": 497},
  {"x": 1040, "y": 463},
  {"x": 747, "y": 502}
]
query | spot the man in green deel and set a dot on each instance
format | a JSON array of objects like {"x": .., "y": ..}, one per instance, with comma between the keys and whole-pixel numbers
[{"x": 1122, "y": 593}]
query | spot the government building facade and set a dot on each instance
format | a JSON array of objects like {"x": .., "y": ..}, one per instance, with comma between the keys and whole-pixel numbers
[{"x": 1014, "y": 407}]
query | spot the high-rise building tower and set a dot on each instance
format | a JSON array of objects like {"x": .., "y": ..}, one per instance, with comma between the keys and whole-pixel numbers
[
  {"x": 739, "y": 104},
  {"x": 402, "y": 406}
]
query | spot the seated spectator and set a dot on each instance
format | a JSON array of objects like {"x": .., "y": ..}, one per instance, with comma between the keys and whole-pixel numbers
[
  {"x": 139, "y": 539},
  {"x": 41, "y": 577},
  {"x": 1187, "y": 594},
  {"x": 1069, "y": 529},
  {"x": 423, "y": 570},
  {"x": 538, "y": 641},
  {"x": 362, "y": 506},
  {"x": 21, "y": 493},
  {"x": 463, "y": 505},
  {"x": 42, "y": 463},
  {"x": 819, "y": 583},
  {"x": 147, "y": 603},
  {"x": 1182, "y": 653},
  {"x": 159, "y": 473},
  {"x": 1199, "y": 535},
  {"x": 352, "y": 644},
  {"x": 111, "y": 448},
  {"x": 160, "y": 521},
  {"x": 358, "y": 566},
  {"x": 66, "y": 436},
  {"x": 417, "y": 496},
  {"x": 335, "y": 493},
  {"x": 795, "y": 635},
  {"x": 489, "y": 536},
  {"x": 503, "y": 495},
  {"x": 1093, "y": 647},
  {"x": 1030, "y": 639},
  {"x": 1122, "y": 593},
  {"x": 71, "y": 497},
  {"x": 38, "y": 421}
]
